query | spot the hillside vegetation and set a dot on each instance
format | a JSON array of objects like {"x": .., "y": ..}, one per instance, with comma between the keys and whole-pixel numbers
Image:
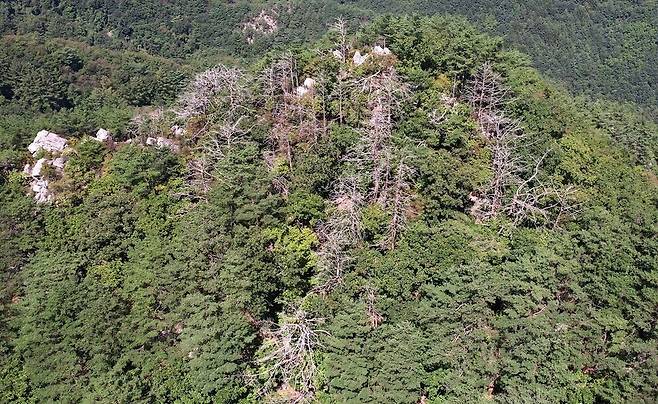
[
  {"x": 410, "y": 214},
  {"x": 599, "y": 48}
]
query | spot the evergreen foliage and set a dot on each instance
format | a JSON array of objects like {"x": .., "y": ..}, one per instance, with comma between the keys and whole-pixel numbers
[{"x": 318, "y": 242}]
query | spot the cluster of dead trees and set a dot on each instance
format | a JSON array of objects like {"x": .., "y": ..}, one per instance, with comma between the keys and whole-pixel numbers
[
  {"x": 516, "y": 187},
  {"x": 219, "y": 102},
  {"x": 292, "y": 107}
]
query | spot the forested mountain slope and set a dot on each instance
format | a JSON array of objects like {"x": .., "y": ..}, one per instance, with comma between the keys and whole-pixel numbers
[
  {"x": 412, "y": 214},
  {"x": 600, "y": 48}
]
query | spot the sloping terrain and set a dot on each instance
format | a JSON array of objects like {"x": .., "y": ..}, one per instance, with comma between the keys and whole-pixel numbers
[{"x": 411, "y": 214}]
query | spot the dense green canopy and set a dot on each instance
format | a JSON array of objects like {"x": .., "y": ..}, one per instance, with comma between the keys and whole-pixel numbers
[
  {"x": 353, "y": 239},
  {"x": 601, "y": 48}
]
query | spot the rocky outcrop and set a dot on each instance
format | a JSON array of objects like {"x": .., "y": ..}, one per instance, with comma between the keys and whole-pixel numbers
[
  {"x": 54, "y": 145},
  {"x": 41, "y": 192},
  {"x": 307, "y": 87},
  {"x": 38, "y": 182},
  {"x": 379, "y": 51},
  {"x": 161, "y": 142},
  {"x": 47, "y": 141},
  {"x": 263, "y": 24},
  {"x": 358, "y": 58},
  {"x": 103, "y": 136}
]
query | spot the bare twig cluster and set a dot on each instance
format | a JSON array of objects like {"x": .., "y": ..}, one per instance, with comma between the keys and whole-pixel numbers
[
  {"x": 220, "y": 85},
  {"x": 291, "y": 346},
  {"x": 516, "y": 188},
  {"x": 222, "y": 95},
  {"x": 341, "y": 231},
  {"x": 374, "y": 316}
]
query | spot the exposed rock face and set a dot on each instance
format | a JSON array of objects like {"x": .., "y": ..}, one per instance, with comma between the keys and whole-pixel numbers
[
  {"x": 47, "y": 141},
  {"x": 59, "y": 163},
  {"x": 359, "y": 59},
  {"x": 103, "y": 135},
  {"x": 307, "y": 87},
  {"x": 378, "y": 50},
  {"x": 35, "y": 171},
  {"x": 263, "y": 24},
  {"x": 38, "y": 184},
  {"x": 161, "y": 142},
  {"x": 41, "y": 192},
  {"x": 51, "y": 143}
]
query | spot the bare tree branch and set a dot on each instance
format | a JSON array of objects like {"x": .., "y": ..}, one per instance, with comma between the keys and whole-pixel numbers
[
  {"x": 290, "y": 357},
  {"x": 515, "y": 188}
]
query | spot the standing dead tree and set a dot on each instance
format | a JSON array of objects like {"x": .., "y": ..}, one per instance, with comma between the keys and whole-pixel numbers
[
  {"x": 515, "y": 188},
  {"x": 279, "y": 77},
  {"x": 220, "y": 86},
  {"x": 385, "y": 93},
  {"x": 222, "y": 96},
  {"x": 488, "y": 97},
  {"x": 292, "y": 108},
  {"x": 339, "y": 27},
  {"x": 289, "y": 360},
  {"x": 375, "y": 318},
  {"x": 507, "y": 167},
  {"x": 341, "y": 231},
  {"x": 399, "y": 204},
  {"x": 213, "y": 148}
]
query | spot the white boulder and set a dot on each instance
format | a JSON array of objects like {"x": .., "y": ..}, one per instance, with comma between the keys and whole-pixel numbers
[
  {"x": 47, "y": 141},
  {"x": 41, "y": 192},
  {"x": 337, "y": 54},
  {"x": 103, "y": 135},
  {"x": 378, "y": 50},
  {"x": 177, "y": 130},
  {"x": 38, "y": 167},
  {"x": 59, "y": 162},
  {"x": 161, "y": 142},
  {"x": 308, "y": 86},
  {"x": 358, "y": 59},
  {"x": 309, "y": 83}
]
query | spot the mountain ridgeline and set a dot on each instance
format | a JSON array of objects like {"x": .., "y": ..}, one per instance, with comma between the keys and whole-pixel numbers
[
  {"x": 411, "y": 214},
  {"x": 599, "y": 48}
]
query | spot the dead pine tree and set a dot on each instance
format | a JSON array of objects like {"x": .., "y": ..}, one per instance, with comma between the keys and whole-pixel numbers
[
  {"x": 288, "y": 363},
  {"x": 385, "y": 92},
  {"x": 341, "y": 231},
  {"x": 487, "y": 96},
  {"x": 515, "y": 188},
  {"x": 375, "y": 318},
  {"x": 399, "y": 204},
  {"x": 291, "y": 106},
  {"x": 339, "y": 27},
  {"x": 221, "y": 86},
  {"x": 222, "y": 96}
]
